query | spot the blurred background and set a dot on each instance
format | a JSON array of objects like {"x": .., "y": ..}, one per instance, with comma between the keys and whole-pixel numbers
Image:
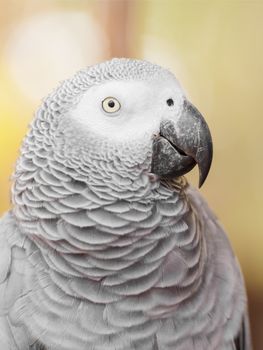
[{"x": 215, "y": 48}]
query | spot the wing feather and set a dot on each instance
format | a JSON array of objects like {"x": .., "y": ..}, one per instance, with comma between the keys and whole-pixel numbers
[
  {"x": 12, "y": 263},
  {"x": 12, "y": 270},
  {"x": 242, "y": 341}
]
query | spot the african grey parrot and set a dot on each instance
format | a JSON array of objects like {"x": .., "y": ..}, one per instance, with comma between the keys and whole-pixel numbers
[{"x": 106, "y": 246}]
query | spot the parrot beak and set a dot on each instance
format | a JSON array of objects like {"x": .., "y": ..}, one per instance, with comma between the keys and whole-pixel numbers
[{"x": 181, "y": 144}]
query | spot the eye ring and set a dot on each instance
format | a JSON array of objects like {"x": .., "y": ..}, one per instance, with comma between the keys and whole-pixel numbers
[
  {"x": 111, "y": 105},
  {"x": 170, "y": 102}
]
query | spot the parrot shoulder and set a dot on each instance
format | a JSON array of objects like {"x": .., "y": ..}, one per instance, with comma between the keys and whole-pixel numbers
[
  {"x": 243, "y": 339},
  {"x": 15, "y": 270},
  {"x": 216, "y": 235},
  {"x": 12, "y": 263}
]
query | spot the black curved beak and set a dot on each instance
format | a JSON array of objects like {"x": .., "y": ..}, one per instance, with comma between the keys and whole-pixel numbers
[{"x": 182, "y": 144}]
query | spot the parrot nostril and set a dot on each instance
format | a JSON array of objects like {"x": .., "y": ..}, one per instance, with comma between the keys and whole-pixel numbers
[{"x": 170, "y": 102}]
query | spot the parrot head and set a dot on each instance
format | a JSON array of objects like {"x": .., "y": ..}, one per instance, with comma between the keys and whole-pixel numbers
[{"x": 133, "y": 113}]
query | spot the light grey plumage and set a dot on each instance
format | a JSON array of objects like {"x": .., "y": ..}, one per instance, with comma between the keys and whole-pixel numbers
[{"x": 97, "y": 253}]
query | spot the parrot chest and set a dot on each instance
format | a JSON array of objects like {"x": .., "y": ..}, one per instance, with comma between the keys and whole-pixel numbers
[
  {"x": 156, "y": 319},
  {"x": 156, "y": 289}
]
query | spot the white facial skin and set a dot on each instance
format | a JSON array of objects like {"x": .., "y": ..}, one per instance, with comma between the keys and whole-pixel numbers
[{"x": 143, "y": 104}]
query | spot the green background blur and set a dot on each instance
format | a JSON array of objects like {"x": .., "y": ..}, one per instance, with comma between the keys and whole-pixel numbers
[{"x": 215, "y": 48}]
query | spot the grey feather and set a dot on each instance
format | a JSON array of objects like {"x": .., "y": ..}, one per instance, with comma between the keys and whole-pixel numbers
[{"x": 98, "y": 254}]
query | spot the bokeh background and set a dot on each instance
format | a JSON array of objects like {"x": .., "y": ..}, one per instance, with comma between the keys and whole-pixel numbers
[{"x": 215, "y": 48}]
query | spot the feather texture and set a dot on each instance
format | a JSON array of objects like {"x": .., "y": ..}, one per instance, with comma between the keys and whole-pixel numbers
[{"x": 96, "y": 255}]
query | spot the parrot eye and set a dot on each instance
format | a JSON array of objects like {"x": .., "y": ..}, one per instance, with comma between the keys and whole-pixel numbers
[
  {"x": 170, "y": 102},
  {"x": 111, "y": 105}
]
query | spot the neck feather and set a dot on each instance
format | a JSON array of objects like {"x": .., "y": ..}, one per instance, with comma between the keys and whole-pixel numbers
[{"x": 127, "y": 233}]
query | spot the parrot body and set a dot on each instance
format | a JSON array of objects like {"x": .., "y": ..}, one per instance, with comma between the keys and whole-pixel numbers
[{"x": 101, "y": 250}]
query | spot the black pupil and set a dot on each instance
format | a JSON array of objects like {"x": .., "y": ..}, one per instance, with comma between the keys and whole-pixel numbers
[
  {"x": 111, "y": 103},
  {"x": 170, "y": 102}
]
